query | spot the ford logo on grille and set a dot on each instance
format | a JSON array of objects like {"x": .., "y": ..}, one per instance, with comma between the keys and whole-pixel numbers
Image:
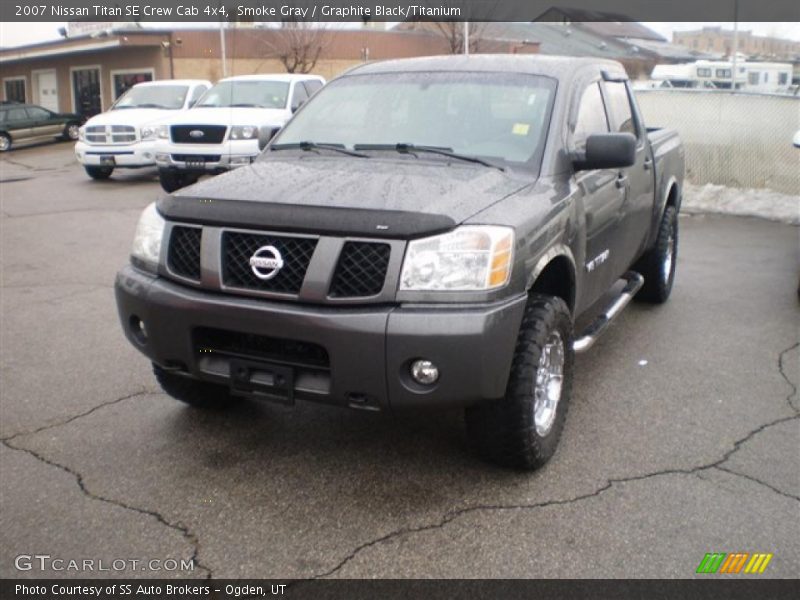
[
  {"x": 196, "y": 133},
  {"x": 266, "y": 262}
]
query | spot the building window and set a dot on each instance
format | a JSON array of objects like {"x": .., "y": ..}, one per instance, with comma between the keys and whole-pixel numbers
[
  {"x": 122, "y": 82},
  {"x": 703, "y": 72},
  {"x": 15, "y": 90},
  {"x": 783, "y": 78},
  {"x": 753, "y": 77},
  {"x": 726, "y": 73}
]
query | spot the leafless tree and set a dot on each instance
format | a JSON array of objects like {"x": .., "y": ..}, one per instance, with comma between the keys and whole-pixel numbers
[{"x": 298, "y": 45}]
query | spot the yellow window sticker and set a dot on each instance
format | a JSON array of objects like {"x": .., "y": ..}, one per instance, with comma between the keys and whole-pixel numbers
[{"x": 520, "y": 129}]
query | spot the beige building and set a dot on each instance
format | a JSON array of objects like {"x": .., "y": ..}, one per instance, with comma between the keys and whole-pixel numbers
[{"x": 720, "y": 41}]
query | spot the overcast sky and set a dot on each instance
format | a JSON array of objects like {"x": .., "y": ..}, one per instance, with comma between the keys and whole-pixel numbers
[{"x": 17, "y": 34}]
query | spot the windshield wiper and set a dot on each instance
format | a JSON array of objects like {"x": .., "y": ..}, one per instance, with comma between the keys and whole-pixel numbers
[
  {"x": 150, "y": 105},
  {"x": 413, "y": 148},
  {"x": 246, "y": 105},
  {"x": 309, "y": 146}
]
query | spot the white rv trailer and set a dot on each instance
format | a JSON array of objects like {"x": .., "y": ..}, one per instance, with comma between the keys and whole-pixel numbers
[{"x": 717, "y": 74}]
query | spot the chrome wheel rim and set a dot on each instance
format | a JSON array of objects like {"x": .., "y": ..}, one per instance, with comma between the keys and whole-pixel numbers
[
  {"x": 548, "y": 384},
  {"x": 4, "y": 144},
  {"x": 72, "y": 132},
  {"x": 666, "y": 267}
]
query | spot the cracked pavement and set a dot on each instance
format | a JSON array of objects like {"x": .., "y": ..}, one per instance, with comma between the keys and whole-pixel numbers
[{"x": 693, "y": 452}]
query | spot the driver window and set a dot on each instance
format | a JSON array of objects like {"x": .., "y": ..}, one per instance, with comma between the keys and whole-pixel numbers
[{"x": 591, "y": 116}]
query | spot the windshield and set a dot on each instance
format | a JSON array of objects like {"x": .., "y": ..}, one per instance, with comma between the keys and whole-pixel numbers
[
  {"x": 259, "y": 94},
  {"x": 500, "y": 116},
  {"x": 153, "y": 96}
]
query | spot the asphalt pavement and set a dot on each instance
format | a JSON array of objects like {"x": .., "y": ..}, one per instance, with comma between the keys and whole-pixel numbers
[{"x": 683, "y": 435}]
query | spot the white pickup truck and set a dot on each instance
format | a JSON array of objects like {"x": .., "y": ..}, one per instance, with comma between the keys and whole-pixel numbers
[
  {"x": 123, "y": 137},
  {"x": 229, "y": 126}
]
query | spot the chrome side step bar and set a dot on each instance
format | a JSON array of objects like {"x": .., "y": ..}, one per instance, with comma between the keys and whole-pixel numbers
[{"x": 634, "y": 281}]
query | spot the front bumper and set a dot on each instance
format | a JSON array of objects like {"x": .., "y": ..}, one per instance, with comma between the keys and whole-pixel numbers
[
  {"x": 128, "y": 156},
  {"x": 215, "y": 158},
  {"x": 369, "y": 348}
]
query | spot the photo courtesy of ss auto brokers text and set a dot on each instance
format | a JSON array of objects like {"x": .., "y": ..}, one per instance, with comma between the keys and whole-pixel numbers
[{"x": 330, "y": 300}]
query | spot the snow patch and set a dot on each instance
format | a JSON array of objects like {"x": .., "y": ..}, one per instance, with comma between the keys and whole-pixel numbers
[{"x": 764, "y": 203}]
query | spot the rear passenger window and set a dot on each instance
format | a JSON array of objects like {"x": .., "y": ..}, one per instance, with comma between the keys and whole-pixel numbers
[
  {"x": 16, "y": 114},
  {"x": 591, "y": 116},
  {"x": 619, "y": 107}
]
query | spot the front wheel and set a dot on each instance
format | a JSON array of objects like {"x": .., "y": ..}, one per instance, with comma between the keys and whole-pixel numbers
[
  {"x": 657, "y": 266},
  {"x": 523, "y": 429},
  {"x": 172, "y": 181},
  {"x": 99, "y": 173}
]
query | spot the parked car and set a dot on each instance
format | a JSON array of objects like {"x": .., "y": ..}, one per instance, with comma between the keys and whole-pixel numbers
[
  {"x": 123, "y": 137},
  {"x": 222, "y": 131},
  {"x": 28, "y": 123},
  {"x": 425, "y": 233}
]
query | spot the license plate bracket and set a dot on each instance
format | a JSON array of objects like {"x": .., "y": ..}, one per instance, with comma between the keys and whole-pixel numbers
[
  {"x": 268, "y": 381},
  {"x": 107, "y": 160}
]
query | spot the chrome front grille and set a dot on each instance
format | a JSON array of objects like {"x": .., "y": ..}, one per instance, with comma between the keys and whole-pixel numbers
[{"x": 110, "y": 134}]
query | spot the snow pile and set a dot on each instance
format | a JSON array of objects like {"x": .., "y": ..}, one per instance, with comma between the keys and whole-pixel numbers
[{"x": 767, "y": 204}]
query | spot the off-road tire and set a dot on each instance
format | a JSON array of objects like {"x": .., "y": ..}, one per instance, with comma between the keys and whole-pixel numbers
[
  {"x": 172, "y": 181},
  {"x": 504, "y": 431},
  {"x": 99, "y": 173},
  {"x": 657, "y": 286},
  {"x": 199, "y": 394}
]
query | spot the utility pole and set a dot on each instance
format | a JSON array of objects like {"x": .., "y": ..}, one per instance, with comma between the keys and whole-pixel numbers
[
  {"x": 222, "y": 48},
  {"x": 735, "y": 43},
  {"x": 466, "y": 38}
]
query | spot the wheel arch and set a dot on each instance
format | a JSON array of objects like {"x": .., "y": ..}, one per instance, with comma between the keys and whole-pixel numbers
[{"x": 554, "y": 275}]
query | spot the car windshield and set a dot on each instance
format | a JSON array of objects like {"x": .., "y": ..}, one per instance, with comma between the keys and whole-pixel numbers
[
  {"x": 169, "y": 97},
  {"x": 258, "y": 94},
  {"x": 495, "y": 116}
]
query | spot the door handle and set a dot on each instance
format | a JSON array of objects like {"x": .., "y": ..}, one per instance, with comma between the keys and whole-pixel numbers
[
  {"x": 648, "y": 162},
  {"x": 622, "y": 180}
]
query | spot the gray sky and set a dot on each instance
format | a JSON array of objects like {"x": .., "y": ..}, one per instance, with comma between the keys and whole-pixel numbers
[{"x": 17, "y": 34}]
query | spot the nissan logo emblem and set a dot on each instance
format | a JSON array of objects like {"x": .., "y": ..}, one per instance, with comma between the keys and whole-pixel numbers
[
  {"x": 266, "y": 262},
  {"x": 196, "y": 133}
]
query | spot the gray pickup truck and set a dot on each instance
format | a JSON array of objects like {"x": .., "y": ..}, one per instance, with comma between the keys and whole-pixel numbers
[{"x": 440, "y": 232}]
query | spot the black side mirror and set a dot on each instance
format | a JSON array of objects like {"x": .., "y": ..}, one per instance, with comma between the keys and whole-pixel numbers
[
  {"x": 265, "y": 134},
  {"x": 607, "y": 151}
]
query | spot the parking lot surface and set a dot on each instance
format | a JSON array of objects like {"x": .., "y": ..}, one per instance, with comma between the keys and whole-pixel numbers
[{"x": 682, "y": 436}]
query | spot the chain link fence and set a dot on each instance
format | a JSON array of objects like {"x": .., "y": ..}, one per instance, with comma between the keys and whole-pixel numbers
[{"x": 732, "y": 139}]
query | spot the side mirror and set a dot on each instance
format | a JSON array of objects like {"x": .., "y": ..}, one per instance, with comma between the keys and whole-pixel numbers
[
  {"x": 265, "y": 134},
  {"x": 607, "y": 151},
  {"x": 796, "y": 139}
]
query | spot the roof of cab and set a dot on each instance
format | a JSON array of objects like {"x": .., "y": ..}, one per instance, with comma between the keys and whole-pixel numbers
[
  {"x": 273, "y": 77},
  {"x": 558, "y": 67},
  {"x": 173, "y": 82}
]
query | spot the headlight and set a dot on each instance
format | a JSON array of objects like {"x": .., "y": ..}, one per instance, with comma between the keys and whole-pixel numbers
[
  {"x": 82, "y": 134},
  {"x": 148, "y": 133},
  {"x": 472, "y": 257},
  {"x": 244, "y": 132},
  {"x": 147, "y": 241},
  {"x": 162, "y": 132}
]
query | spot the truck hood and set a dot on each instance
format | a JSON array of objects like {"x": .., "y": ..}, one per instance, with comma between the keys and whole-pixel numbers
[
  {"x": 375, "y": 197},
  {"x": 132, "y": 116},
  {"x": 231, "y": 116}
]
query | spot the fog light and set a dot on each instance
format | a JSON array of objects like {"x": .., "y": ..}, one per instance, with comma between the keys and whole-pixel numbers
[
  {"x": 138, "y": 329},
  {"x": 148, "y": 156},
  {"x": 424, "y": 372}
]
